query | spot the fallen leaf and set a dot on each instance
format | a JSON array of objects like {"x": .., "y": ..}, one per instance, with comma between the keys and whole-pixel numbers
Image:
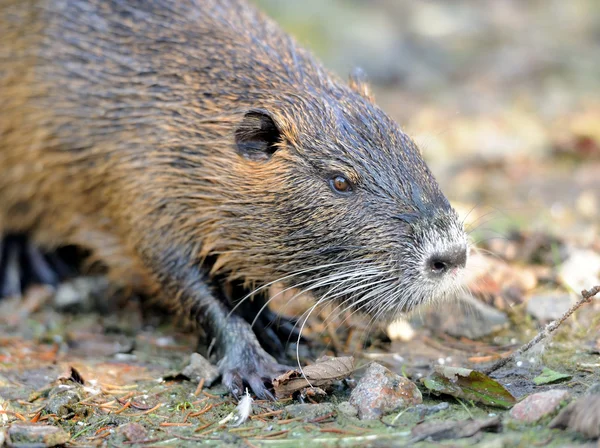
[
  {"x": 470, "y": 385},
  {"x": 315, "y": 375},
  {"x": 549, "y": 376}
]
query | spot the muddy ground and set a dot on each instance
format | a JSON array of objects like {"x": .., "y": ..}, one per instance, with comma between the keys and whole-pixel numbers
[{"x": 504, "y": 100}]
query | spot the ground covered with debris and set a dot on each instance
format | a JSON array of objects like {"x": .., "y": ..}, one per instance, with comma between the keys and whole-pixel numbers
[{"x": 504, "y": 101}]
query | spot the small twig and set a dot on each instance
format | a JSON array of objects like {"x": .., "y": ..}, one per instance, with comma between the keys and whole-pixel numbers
[
  {"x": 206, "y": 394},
  {"x": 550, "y": 328},
  {"x": 289, "y": 420},
  {"x": 199, "y": 388},
  {"x": 149, "y": 411},
  {"x": 322, "y": 418},
  {"x": 267, "y": 414},
  {"x": 274, "y": 435},
  {"x": 338, "y": 431},
  {"x": 591, "y": 293},
  {"x": 207, "y": 408},
  {"x": 125, "y": 406},
  {"x": 204, "y": 426},
  {"x": 142, "y": 442},
  {"x": 14, "y": 414}
]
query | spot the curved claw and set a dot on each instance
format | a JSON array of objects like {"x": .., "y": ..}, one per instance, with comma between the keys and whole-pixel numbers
[
  {"x": 236, "y": 385},
  {"x": 251, "y": 367}
]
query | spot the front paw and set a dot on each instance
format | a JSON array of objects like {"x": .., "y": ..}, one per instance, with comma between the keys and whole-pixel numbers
[{"x": 247, "y": 364}]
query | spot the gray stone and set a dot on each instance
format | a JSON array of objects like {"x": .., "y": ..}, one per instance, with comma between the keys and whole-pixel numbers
[
  {"x": 29, "y": 435},
  {"x": 198, "y": 368},
  {"x": 381, "y": 391},
  {"x": 548, "y": 307},
  {"x": 466, "y": 317},
  {"x": 540, "y": 405},
  {"x": 63, "y": 401},
  {"x": 308, "y": 411}
]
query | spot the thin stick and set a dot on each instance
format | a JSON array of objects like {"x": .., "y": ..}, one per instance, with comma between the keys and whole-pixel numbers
[
  {"x": 200, "y": 386},
  {"x": 550, "y": 328}
]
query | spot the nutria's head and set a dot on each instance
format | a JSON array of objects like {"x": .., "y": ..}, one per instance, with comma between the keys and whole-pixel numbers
[{"x": 326, "y": 193}]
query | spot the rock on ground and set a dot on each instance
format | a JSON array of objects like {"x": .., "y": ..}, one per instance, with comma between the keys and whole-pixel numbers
[
  {"x": 62, "y": 401},
  {"x": 540, "y": 405},
  {"x": 547, "y": 307},
  {"x": 198, "y": 368},
  {"x": 469, "y": 318},
  {"x": 309, "y": 411},
  {"x": 381, "y": 391},
  {"x": 29, "y": 435}
]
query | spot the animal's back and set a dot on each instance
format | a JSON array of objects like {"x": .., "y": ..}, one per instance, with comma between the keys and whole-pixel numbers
[{"x": 91, "y": 90}]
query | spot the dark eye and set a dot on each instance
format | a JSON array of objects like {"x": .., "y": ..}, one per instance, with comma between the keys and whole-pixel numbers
[{"x": 340, "y": 184}]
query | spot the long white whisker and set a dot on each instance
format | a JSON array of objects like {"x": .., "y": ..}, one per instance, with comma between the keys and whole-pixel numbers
[
  {"x": 319, "y": 284},
  {"x": 369, "y": 283},
  {"x": 311, "y": 309},
  {"x": 295, "y": 274}
]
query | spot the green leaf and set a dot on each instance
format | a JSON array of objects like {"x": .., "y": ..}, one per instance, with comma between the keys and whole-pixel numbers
[
  {"x": 470, "y": 385},
  {"x": 549, "y": 376}
]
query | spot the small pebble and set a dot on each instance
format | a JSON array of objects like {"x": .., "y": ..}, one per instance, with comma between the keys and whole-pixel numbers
[
  {"x": 62, "y": 401},
  {"x": 539, "y": 405},
  {"x": 133, "y": 432},
  {"x": 470, "y": 318},
  {"x": 198, "y": 368},
  {"x": 28, "y": 435},
  {"x": 381, "y": 391},
  {"x": 547, "y": 307}
]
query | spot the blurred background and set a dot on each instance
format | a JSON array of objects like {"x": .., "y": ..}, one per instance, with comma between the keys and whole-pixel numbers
[{"x": 503, "y": 97}]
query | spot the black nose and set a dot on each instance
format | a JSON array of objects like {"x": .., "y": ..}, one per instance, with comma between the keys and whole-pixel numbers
[{"x": 442, "y": 262}]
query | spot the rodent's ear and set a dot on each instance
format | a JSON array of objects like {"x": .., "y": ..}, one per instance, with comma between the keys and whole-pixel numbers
[
  {"x": 359, "y": 83},
  {"x": 257, "y": 136}
]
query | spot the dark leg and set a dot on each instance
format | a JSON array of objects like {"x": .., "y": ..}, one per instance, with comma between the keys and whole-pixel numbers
[
  {"x": 285, "y": 327},
  {"x": 39, "y": 268},
  {"x": 10, "y": 269},
  {"x": 22, "y": 264},
  {"x": 273, "y": 331},
  {"x": 243, "y": 362}
]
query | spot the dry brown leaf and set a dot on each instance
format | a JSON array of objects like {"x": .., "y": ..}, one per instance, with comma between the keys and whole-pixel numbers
[{"x": 316, "y": 375}]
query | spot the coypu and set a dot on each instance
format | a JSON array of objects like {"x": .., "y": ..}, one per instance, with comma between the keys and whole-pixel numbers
[{"x": 197, "y": 151}]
